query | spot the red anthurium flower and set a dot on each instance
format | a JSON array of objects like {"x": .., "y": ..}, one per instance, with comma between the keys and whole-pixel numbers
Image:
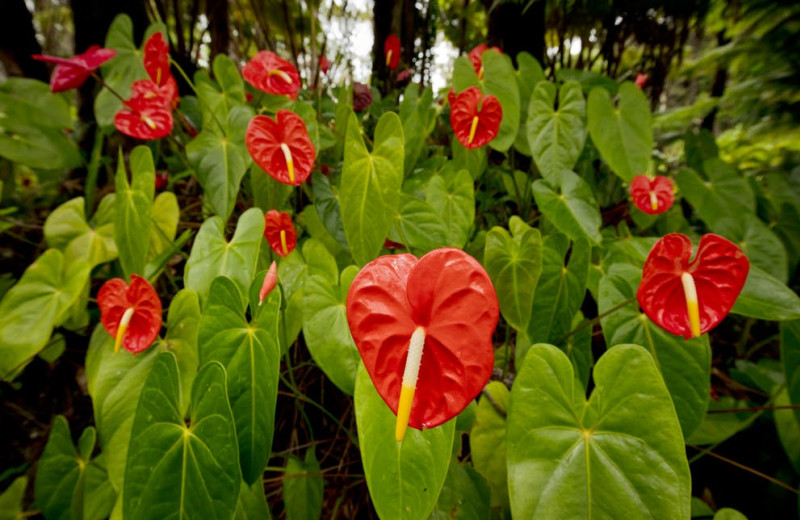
[
  {"x": 653, "y": 196},
  {"x": 391, "y": 244},
  {"x": 270, "y": 281},
  {"x": 475, "y": 56},
  {"x": 281, "y": 147},
  {"x": 279, "y": 232},
  {"x": 324, "y": 64},
  {"x": 641, "y": 80},
  {"x": 404, "y": 75},
  {"x": 424, "y": 326},
  {"x": 72, "y": 72},
  {"x": 362, "y": 96},
  {"x": 130, "y": 313},
  {"x": 686, "y": 297},
  {"x": 272, "y": 74},
  {"x": 146, "y": 116},
  {"x": 391, "y": 49},
  {"x": 475, "y": 118},
  {"x": 156, "y": 62}
]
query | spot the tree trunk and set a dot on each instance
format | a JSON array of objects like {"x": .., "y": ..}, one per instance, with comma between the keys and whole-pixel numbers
[
  {"x": 218, "y": 26},
  {"x": 514, "y": 29},
  {"x": 18, "y": 42},
  {"x": 382, "y": 19}
]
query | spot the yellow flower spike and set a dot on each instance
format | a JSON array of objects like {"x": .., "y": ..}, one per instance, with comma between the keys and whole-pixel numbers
[
  {"x": 472, "y": 129},
  {"x": 480, "y": 74},
  {"x": 388, "y": 57},
  {"x": 123, "y": 326},
  {"x": 283, "y": 243},
  {"x": 409, "y": 387},
  {"x": 285, "y": 77},
  {"x": 692, "y": 307},
  {"x": 653, "y": 201},
  {"x": 287, "y": 154},
  {"x": 149, "y": 122}
]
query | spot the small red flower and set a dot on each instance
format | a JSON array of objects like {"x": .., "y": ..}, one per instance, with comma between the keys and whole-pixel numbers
[
  {"x": 391, "y": 49},
  {"x": 362, "y": 96},
  {"x": 690, "y": 297},
  {"x": 475, "y": 118},
  {"x": 475, "y": 56},
  {"x": 281, "y": 148},
  {"x": 391, "y": 244},
  {"x": 161, "y": 180},
  {"x": 146, "y": 116},
  {"x": 130, "y": 313},
  {"x": 653, "y": 196},
  {"x": 72, "y": 72},
  {"x": 324, "y": 64},
  {"x": 279, "y": 232},
  {"x": 404, "y": 75},
  {"x": 424, "y": 326},
  {"x": 641, "y": 80},
  {"x": 270, "y": 281},
  {"x": 270, "y": 73}
]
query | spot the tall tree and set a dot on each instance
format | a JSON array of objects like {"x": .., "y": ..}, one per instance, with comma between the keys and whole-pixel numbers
[{"x": 18, "y": 41}]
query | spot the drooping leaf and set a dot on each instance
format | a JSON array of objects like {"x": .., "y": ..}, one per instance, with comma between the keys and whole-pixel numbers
[
  {"x": 404, "y": 479},
  {"x": 567, "y": 201},
  {"x": 499, "y": 80},
  {"x": 452, "y": 194},
  {"x": 556, "y": 136},
  {"x": 370, "y": 186},
  {"x": 571, "y": 458},
  {"x": 417, "y": 225},
  {"x": 302, "y": 488},
  {"x": 685, "y": 365},
  {"x": 624, "y": 134},
  {"x": 487, "y": 441},
  {"x": 134, "y": 201},
  {"x": 181, "y": 471},
  {"x": 765, "y": 298}
]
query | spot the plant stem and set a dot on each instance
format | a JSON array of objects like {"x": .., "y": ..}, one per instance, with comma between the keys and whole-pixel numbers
[
  {"x": 107, "y": 86},
  {"x": 739, "y": 465},
  {"x": 596, "y": 319}
]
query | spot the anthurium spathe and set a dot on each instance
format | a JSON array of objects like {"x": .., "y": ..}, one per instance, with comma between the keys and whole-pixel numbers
[
  {"x": 281, "y": 146},
  {"x": 279, "y": 232},
  {"x": 270, "y": 73},
  {"x": 156, "y": 63},
  {"x": 690, "y": 297},
  {"x": 391, "y": 50},
  {"x": 653, "y": 196},
  {"x": 475, "y": 118},
  {"x": 130, "y": 313},
  {"x": 72, "y": 72},
  {"x": 476, "y": 57},
  {"x": 424, "y": 330},
  {"x": 147, "y": 114}
]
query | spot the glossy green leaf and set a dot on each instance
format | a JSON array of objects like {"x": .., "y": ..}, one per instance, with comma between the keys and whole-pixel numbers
[
  {"x": 326, "y": 331},
  {"x": 487, "y": 441},
  {"x": 371, "y": 185},
  {"x": 529, "y": 73},
  {"x": 473, "y": 160},
  {"x": 624, "y": 134},
  {"x": 726, "y": 513},
  {"x": 572, "y": 458},
  {"x": 404, "y": 479},
  {"x": 66, "y": 229},
  {"x": 11, "y": 499},
  {"x": 452, "y": 194},
  {"x": 40, "y": 301},
  {"x": 763, "y": 247},
  {"x": 218, "y": 99},
  {"x": 790, "y": 357},
  {"x": 134, "y": 201},
  {"x": 684, "y": 364},
  {"x": 165, "y": 215},
  {"x": 302, "y": 488},
  {"x": 514, "y": 264},
  {"x": 578, "y": 348},
  {"x": 560, "y": 291},
  {"x": 175, "y": 469},
  {"x": 267, "y": 192},
  {"x": 464, "y": 496},
  {"x": 213, "y": 256},
  {"x": 36, "y": 102},
  {"x": 717, "y": 427},
  {"x": 251, "y": 357},
  {"x": 417, "y": 225},
  {"x": 326, "y": 202},
  {"x": 568, "y": 202},
  {"x": 765, "y": 298},
  {"x": 499, "y": 80},
  {"x": 556, "y": 135},
  {"x": 252, "y": 504},
  {"x": 725, "y": 194}
]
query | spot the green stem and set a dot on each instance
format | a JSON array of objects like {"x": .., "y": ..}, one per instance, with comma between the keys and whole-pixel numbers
[{"x": 595, "y": 320}]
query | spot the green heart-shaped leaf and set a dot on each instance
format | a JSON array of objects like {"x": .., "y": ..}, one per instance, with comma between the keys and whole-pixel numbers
[
  {"x": 724, "y": 195},
  {"x": 765, "y": 298},
  {"x": 572, "y": 458},
  {"x": 556, "y": 136},
  {"x": 66, "y": 229},
  {"x": 500, "y": 81},
  {"x": 303, "y": 487},
  {"x": 487, "y": 440},
  {"x": 134, "y": 203},
  {"x": 568, "y": 202},
  {"x": 417, "y": 225},
  {"x": 452, "y": 194}
]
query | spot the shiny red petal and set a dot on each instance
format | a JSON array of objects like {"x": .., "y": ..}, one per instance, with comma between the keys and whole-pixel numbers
[
  {"x": 449, "y": 294},
  {"x": 156, "y": 59},
  {"x": 468, "y": 104},
  {"x": 274, "y": 222},
  {"x": 264, "y": 138},
  {"x": 267, "y": 72},
  {"x": 72, "y": 72},
  {"x": 392, "y": 43},
  {"x": 719, "y": 270},
  {"x": 144, "y": 119},
  {"x": 115, "y": 297},
  {"x": 641, "y": 186}
]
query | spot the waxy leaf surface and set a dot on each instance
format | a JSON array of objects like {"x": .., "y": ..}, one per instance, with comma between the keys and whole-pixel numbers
[
  {"x": 567, "y": 201},
  {"x": 556, "y": 136}
]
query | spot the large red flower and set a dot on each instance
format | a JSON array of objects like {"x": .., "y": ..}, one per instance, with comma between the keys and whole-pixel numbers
[
  {"x": 475, "y": 118},
  {"x": 686, "y": 297},
  {"x": 156, "y": 63},
  {"x": 391, "y": 50},
  {"x": 652, "y": 196},
  {"x": 130, "y": 313},
  {"x": 279, "y": 232},
  {"x": 281, "y": 147},
  {"x": 424, "y": 326},
  {"x": 72, "y": 72},
  {"x": 475, "y": 57},
  {"x": 272, "y": 74},
  {"x": 147, "y": 114}
]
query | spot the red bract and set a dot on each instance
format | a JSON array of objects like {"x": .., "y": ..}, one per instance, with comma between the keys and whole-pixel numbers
[
  {"x": 156, "y": 63},
  {"x": 391, "y": 49},
  {"x": 641, "y": 80},
  {"x": 72, "y": 72},
  {"x": 686, "y": 297},
  {"x": 270, "y": 281},
  {"x": 146, "y": 115},
  {"x": 270, "y": 73},
  {"x": 475, "y": 118},
  {"x": 362, "y": 96},
  {"x": 279, "y": 232},
  {"x": 281, "y": 148},
  {"x": 652, "y": 196},
  {"x": 424, "y": 326},
  {"x": 130, "y": 313},
  {"x": 324, "y": 64},
  {"x": 475, "y": 56}
]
